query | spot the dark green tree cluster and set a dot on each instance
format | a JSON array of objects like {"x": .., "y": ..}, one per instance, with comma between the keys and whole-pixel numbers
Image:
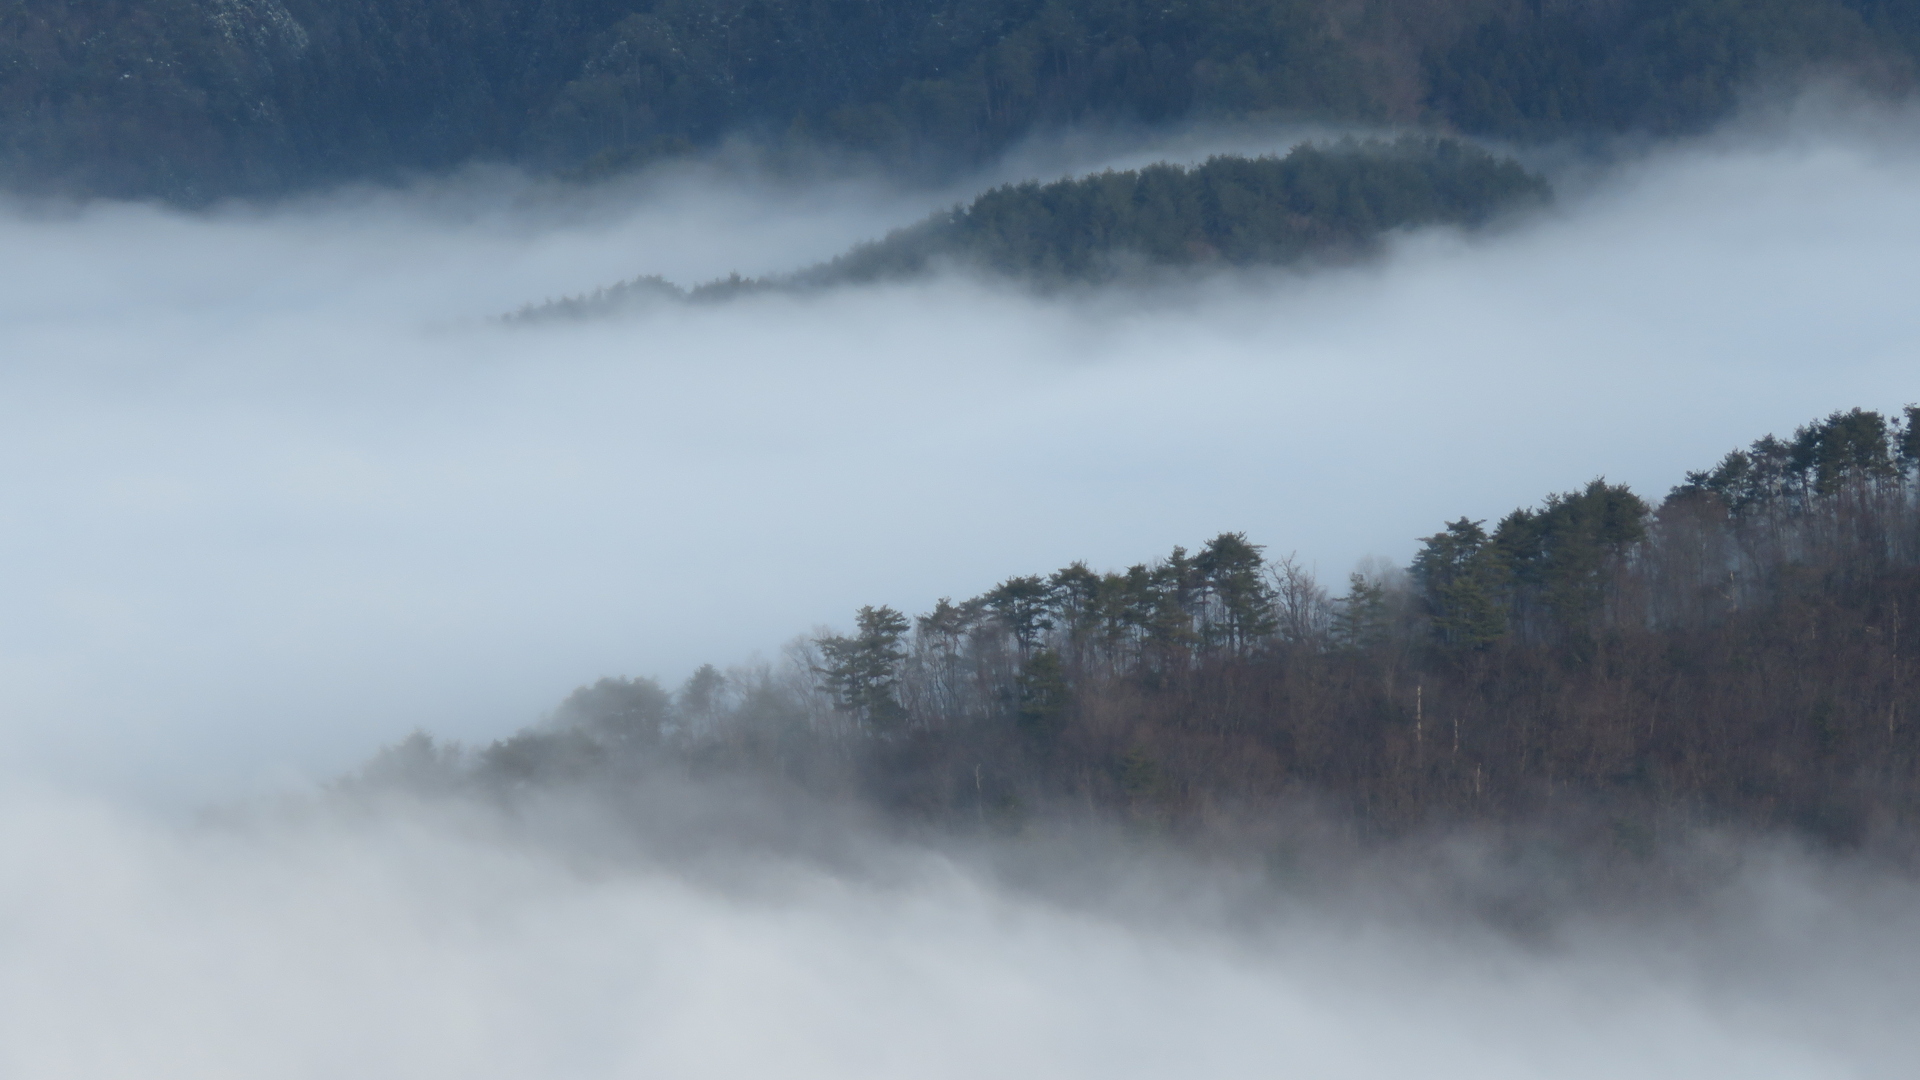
[
  {"x": 192, "y": 99},
  {"x": 1329, "y": 201},
  {"x": 1463, "y": 579},
  {"x": 1742, "y": 653},
  {"x": 1545, "y": 570},
  {"x": 1235, "y": 210},
  {"x": 1021, "y": 642},
  {"x": 862, "y": 670},
  {"x": 1842, "y": 452}
]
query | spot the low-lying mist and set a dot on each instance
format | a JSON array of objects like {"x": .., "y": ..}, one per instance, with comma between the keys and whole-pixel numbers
[
  {"x": 386, "y": 937},
  {"x": 282, "y": 489}
]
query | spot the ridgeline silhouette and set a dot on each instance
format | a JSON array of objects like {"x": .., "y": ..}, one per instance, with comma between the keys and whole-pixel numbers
[{"x": 194, "y": 100}]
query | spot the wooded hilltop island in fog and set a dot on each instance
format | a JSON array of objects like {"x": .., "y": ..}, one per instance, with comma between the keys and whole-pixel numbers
[
  {"x": 193, "y": 100},
  {"x": 1332, "y": 201},
  {"x": 1740, "y": 654}
]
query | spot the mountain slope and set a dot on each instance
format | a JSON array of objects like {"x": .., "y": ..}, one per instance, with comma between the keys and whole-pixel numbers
[{"x": 193, "y": 99}]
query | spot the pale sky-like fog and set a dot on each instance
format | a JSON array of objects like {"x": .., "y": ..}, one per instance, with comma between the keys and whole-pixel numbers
[{"x": 278, "y": 491}]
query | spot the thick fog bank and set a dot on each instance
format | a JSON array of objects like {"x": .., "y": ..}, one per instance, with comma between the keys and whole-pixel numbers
[
  {"x": 278, "y": 490},
  {"x": 412, "y": 942}
]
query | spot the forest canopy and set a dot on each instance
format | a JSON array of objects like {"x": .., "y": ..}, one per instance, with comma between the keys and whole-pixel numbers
[
  {"x": 1336, "y": 200},
  {"x": 1737, "y": 653},
  {"x": 197, "y": 99},
  {"x": 1233, "y": 210}
]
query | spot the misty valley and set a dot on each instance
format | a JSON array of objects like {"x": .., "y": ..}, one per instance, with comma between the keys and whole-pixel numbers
[{"x": 1247, "y": 538}]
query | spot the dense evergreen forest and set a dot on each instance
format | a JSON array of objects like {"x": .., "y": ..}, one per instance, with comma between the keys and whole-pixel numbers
[
  {"x": 1232, "y": 210},
  {"x": 1736, "y": 654},
  {"x": 194, "y": 99},
  {"x": 1329, "y": 201}
]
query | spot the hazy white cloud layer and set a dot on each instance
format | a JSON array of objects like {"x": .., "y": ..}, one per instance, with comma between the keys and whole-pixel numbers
[
  {"x": 418, "y": 947},
  {"x": 277, "y": 490}
]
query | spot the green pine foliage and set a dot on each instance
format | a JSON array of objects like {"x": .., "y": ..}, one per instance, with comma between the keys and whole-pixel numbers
[
  {"x": 1232, "y": 210},
  {"x": 860, "y": 671}
]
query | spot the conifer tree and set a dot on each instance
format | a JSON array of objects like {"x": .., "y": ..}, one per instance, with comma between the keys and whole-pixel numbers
[
  {"x": 1360, "y": 617},
  {"x": 1022, "y": 605},
  {"x": 1462, "y": 579},
  {"x": 1045, "y": 697},
  {"x": 1239, "y": 609},
  {"x": 862, "y": 671}
]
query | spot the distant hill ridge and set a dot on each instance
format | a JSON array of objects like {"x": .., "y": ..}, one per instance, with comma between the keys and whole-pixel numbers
[
  {"x": 1326, "y": 201},
  {"x": 193, "y": 100}
]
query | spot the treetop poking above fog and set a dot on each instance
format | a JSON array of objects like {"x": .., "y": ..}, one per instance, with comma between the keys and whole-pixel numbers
[{"x": 1327, "y": 201}]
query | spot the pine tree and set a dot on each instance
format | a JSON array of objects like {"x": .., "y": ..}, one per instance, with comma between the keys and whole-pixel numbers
[
  {"x": 1360, "y": 617},
  {"x": 1022, "y": 604},
  {"x": 1238, "y": 612},
  {"x": 862, "y": 671},
  {"x": 1462, "y": 580},
  {"x": 1045, "y": 697}
]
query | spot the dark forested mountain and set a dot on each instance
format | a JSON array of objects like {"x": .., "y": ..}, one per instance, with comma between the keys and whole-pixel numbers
[
  {"x": 1739, "y": 653},
  {"x": 190, "y": 99},
  {"x": 1333, "y": 200}
]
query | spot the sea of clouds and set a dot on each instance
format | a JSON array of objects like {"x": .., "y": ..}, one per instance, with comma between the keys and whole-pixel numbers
[{"x": 279, "y": 487}]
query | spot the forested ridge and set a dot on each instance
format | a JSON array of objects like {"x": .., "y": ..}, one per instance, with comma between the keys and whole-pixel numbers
[
  {"x": 1232, "y": 210},
  {"x": 1336, "y": 200},
  {"x": 1739, "y": 653},
  {"x": 195, "y": 99}
]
